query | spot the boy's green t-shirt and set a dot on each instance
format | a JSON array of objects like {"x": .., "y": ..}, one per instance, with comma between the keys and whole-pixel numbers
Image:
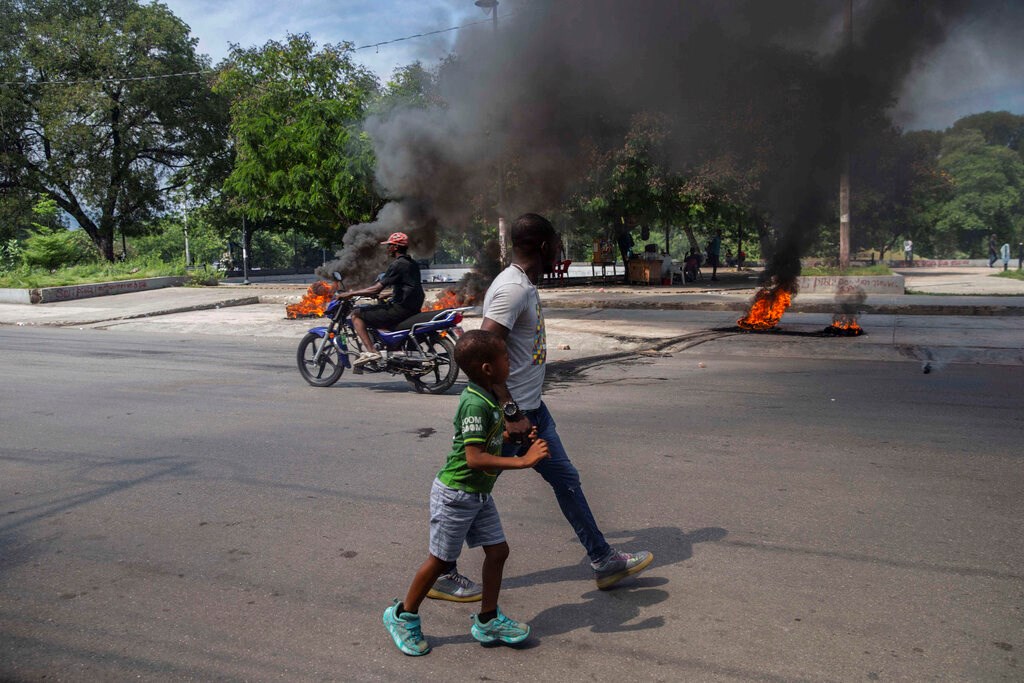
[{"x": 478, "y": 420}]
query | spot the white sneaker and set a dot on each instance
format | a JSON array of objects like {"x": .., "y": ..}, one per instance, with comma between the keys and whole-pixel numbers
[{"x": 366, "y": 357}]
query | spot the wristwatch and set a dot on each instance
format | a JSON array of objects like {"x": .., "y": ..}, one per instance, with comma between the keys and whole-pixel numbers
[{"x": 511, "y": 410}]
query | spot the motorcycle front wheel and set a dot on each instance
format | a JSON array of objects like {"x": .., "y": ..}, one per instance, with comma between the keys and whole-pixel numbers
[
  {"x": 325, "y": 371},
  {"x": 443, "y": 374}
]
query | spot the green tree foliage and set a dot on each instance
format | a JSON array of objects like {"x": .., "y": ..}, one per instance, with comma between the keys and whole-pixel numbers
[
  {"x": 411, "y": 87},
  {"x": 166, "y": 241},
  {"x": 1000, "y": 128},
  {"x": 987, "y": 196},
  {"x": 301, "y": 156},
  {"x": 93, "y": 123},
  {"x": 53, "y": 247},
  {"x": 899, "y": 188},
  {"x": 636, "y": 185}
]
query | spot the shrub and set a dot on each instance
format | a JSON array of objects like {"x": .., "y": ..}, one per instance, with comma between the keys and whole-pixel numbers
[{"x": 52, "y": 250}]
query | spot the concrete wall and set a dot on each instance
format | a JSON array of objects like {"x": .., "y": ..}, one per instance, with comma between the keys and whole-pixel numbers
[
  {"x": 849, "y": 284},
  {"x": 45, "y": 295},
  {"x": 15, "y": 296}
]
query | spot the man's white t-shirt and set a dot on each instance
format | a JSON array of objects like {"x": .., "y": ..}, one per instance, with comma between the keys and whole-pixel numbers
[{"x": 512, "y": 302}]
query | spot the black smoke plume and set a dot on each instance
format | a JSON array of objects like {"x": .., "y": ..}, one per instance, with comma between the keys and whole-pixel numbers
[{"x": 757, "y": 85}]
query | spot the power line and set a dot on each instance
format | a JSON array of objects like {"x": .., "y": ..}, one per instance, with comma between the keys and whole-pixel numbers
[
  {"x": 127, "y": 79},
  {"x": 121, "y": 79},
  {"x": 430, "y": 33}
]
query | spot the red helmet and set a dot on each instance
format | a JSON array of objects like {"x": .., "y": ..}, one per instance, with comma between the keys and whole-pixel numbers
[{"x": 397, "y": 238}]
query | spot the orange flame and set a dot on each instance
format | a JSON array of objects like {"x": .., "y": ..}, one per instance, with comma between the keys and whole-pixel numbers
[
  {"x": 315, "y": 301},
  {"x": 449, "y": 299},
  {"x": 846, "y": 323},
  {"x": 766, "y": 311}
]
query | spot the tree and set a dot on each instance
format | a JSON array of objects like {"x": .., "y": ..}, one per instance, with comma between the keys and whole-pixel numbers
[
  {"x": 899, "y": 188},
  {"x": 988, "y": 192},
  {"x": 1000, "y": 128},
  {"x": 111, "y": 110},
  {"x": 301, "y": 156}
]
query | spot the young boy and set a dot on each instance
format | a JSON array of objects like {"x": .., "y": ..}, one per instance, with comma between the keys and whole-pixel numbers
[{"x": 461, "y": 507}]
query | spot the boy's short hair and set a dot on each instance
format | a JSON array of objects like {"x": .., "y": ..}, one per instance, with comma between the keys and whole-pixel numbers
[{"x": 476, "y": 347}]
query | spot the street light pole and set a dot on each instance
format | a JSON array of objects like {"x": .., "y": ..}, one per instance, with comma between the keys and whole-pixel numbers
[
  {"x": 845, "y": 142},
  {"x": 245, "y": 254},
  {"x": 492, "y": 7}
]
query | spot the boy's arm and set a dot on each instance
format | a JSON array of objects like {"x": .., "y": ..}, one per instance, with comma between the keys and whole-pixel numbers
[{"x": 479, "y": 459}]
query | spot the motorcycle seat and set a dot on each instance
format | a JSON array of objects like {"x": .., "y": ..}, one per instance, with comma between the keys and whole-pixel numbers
[{"x": 423, "y": 317}]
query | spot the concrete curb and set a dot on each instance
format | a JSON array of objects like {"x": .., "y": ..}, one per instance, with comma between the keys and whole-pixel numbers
[
  {"x": 226, "y": 303},
  {"x": 45, "y": 295}
]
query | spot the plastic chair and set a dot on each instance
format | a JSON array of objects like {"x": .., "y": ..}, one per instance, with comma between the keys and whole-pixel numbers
[{"x": 561, "y": 269}]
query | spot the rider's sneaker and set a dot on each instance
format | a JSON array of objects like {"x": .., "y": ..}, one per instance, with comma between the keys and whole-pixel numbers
[
  {"x": 405, "y": 631},
  {"x": 366, "y": 357},
  {"x": 500, "y": 628},
  {"x": 619, "y": 566},
  {"x": 455, "y": 587}
]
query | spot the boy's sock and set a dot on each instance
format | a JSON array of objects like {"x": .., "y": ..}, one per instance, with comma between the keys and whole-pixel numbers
[
  {"x": 484, "y": 617},
  {"x": 400, "y": 609}
]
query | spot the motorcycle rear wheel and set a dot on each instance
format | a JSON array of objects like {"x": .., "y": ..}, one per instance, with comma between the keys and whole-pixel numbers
[
  {"x": 329, "y": 368},
  {"x": 442, "y": 376}
]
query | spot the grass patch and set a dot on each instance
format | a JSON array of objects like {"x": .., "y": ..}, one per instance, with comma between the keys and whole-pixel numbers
[
  {"x": 877, "y": 269},
  {"x": 91, "y": 273},
  {"x": 1011, "y": 274}
]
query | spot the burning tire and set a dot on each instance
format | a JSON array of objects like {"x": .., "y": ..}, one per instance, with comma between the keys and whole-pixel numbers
[
  {"x": 325, "y": 371},
  {"x": 444, "y": 372}
]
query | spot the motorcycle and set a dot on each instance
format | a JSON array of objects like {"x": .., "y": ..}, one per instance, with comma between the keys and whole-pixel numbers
[{"x": 422, "y": 348}]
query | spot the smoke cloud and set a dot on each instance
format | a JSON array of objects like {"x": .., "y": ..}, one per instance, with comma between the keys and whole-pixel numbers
[{"x": 756, "y": 86}]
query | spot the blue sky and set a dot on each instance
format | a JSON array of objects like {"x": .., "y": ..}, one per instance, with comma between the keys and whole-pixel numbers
[
  {"x": 966, "y": 77},
  {"x": 362, "y": 22}
]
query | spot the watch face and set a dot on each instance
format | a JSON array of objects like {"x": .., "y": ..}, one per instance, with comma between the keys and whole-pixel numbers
[{"x": 510, "y": 409}]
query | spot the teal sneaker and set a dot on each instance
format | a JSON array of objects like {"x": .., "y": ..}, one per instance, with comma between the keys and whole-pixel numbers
[
  {"x": 405, "y": 631},
  {"x": 500, "y": 628}
]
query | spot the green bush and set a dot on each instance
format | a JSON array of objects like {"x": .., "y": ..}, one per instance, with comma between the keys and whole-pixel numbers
[
  {"x": 52, "y": 250},
  {"x": 10, "y": 255},
  {"x": 95, "y": 271}
]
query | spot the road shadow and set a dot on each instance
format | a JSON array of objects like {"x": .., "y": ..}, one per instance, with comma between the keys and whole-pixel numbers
[
  {"x": 670, "y": 545},
  {"x": 605, "y": 611}
]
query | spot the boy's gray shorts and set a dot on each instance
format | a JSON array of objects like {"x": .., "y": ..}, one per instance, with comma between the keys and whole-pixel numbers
[{"x": 457, "y": 516}]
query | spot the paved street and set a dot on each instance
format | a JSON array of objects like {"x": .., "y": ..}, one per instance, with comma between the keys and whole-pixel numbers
[{"x": 182, "y": 506}]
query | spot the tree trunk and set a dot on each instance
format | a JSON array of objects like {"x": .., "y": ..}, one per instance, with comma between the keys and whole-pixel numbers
[{"x": 691, "y": 238}]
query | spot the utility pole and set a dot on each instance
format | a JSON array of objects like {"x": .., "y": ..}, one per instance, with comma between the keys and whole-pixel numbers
[
  {"x": 245, "y": 253},
  {"x": 845, "y": 141},
  {"x": 492, "y": 7}
]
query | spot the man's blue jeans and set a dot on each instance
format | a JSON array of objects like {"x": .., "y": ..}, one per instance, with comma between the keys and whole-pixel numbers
[{"x": 561, "y": 474}]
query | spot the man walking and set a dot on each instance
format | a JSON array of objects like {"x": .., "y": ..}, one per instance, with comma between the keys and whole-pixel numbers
[
  {"x": 512, "y": 311},
  {"x": 714, "y": 253}
]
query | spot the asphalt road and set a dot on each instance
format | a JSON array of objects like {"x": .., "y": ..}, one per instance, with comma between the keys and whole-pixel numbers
[{"x": 178, "y": 507}]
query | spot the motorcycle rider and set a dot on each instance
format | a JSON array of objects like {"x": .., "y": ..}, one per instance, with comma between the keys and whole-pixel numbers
[{"x": 403, "y": 276}]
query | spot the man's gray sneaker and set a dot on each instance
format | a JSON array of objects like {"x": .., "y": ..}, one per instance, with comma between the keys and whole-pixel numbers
[
  {"x": 619, "y": 566},
  {"x": 455, "y": 587}
]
